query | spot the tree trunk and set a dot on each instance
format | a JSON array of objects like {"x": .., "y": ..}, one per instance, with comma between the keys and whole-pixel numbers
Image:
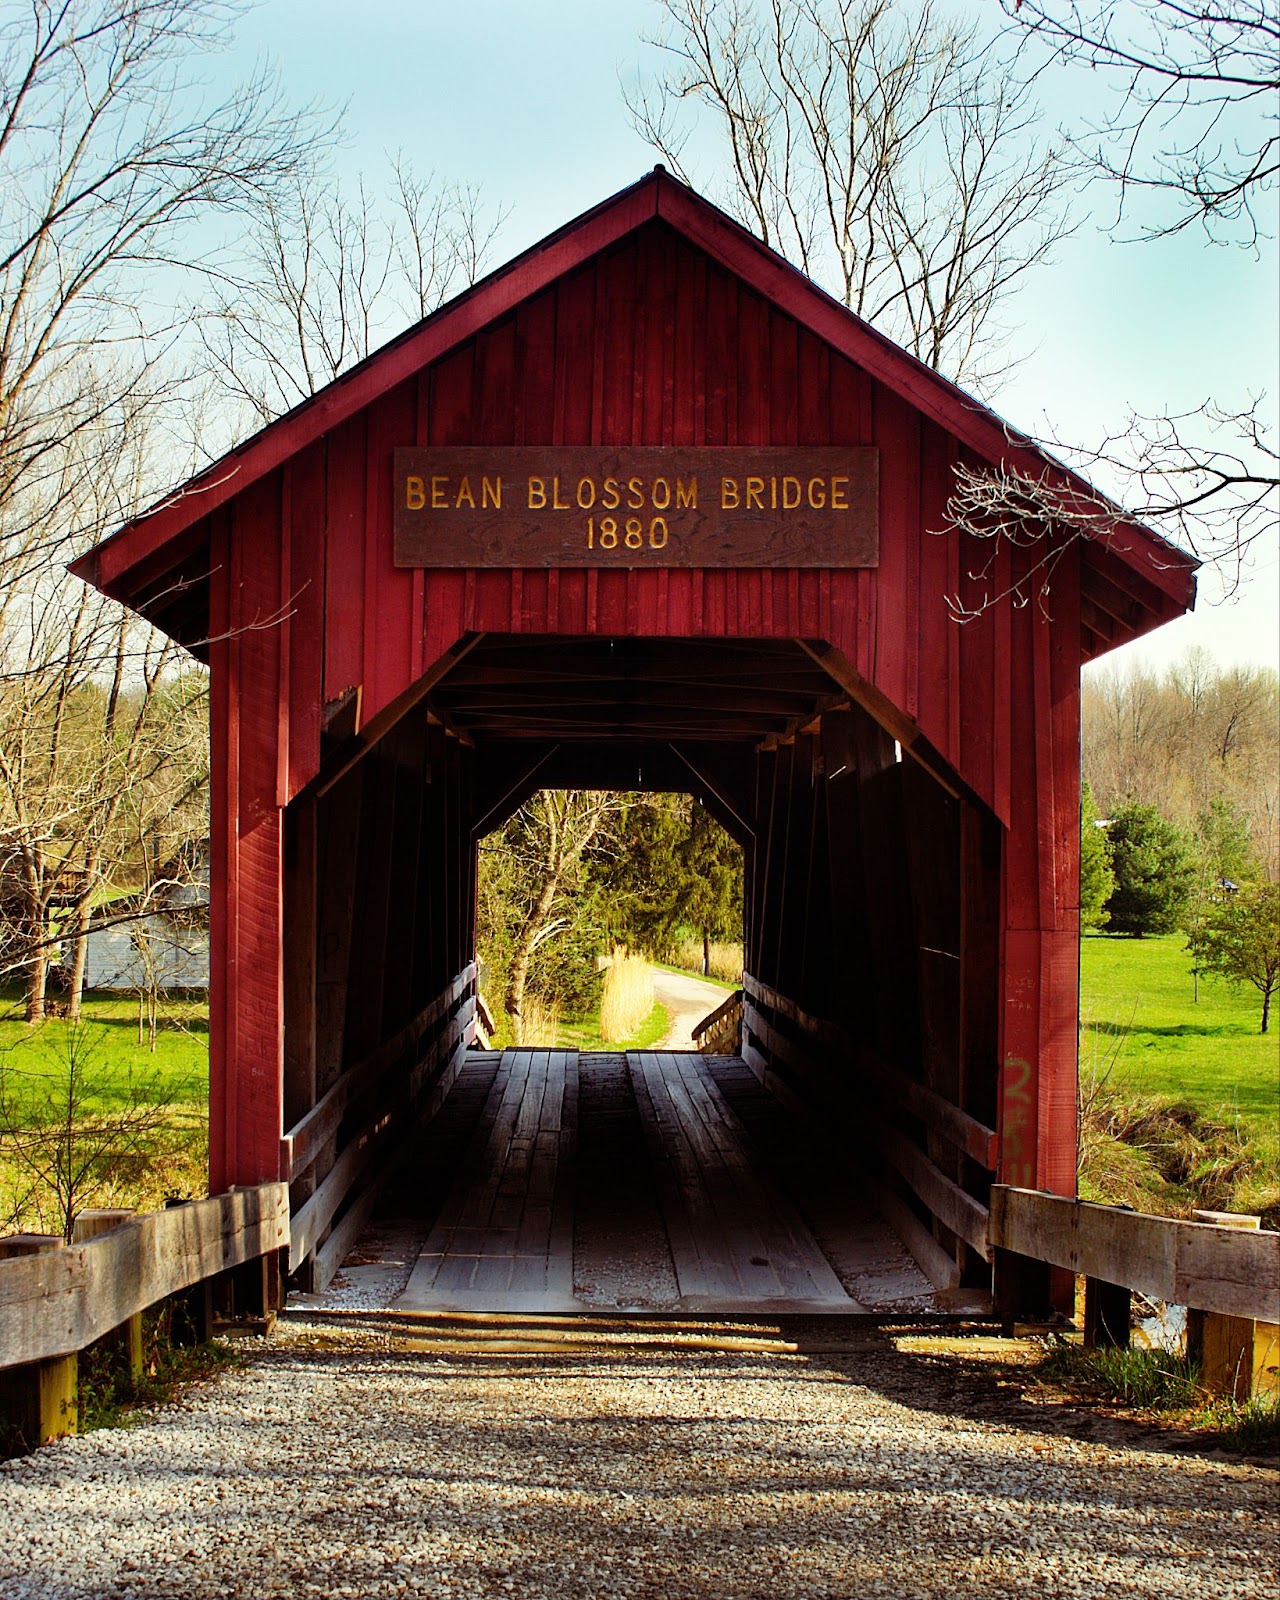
[
  {"x": 706, "y": 952},
  {"x": 1266, "y": 1008},
  {"x": 79, "y": 961},
  {"x": 37, "y": 977},
  {"x": 524, "y": 951},
  {"x": 35, "y": 919}
]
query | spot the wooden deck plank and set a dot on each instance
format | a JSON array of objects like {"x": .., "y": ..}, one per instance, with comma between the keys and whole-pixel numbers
[
  {"x": 735, "y": 1240},
  {"x": 736, "y": 1202},
  {"x": 769, "y": 1260},
  {"x": 699, "y": 1248},
  {"x": 671, "y": 1191},
  {"x": 779, "y": 1231},
  {"x": 492, "y": 1247},
  {"x": 503, "y": 1240}
]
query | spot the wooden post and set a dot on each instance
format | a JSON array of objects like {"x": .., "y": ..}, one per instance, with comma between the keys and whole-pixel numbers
[
  {"x": 191, "y": 1313},
  {"x": 256, "y": 1289},
  {"x": 1021, "y": 1289},
  {"x": 1106, "y": 1315},
  {"x": 38, "y": 1400},
  {"x": 124, "y": 1344},
  {"x": 191, "y": 1317},
  {"x": 1225, "y": 1347},
  {"x": 1266, "y": 1359}
]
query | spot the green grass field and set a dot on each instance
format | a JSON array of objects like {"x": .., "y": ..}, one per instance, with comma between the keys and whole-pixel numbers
[
  {"x": 1139, "y": 1016},
  {"x": 34, "y": 1061},
  {"x": 130, "y": 1123}
]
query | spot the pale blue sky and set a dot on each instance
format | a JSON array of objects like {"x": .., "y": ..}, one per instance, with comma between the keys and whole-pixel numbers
[{"x": 524, "y": 100}]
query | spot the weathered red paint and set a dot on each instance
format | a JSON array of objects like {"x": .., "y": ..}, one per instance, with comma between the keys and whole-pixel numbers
[{"x": 652, "y": 320}]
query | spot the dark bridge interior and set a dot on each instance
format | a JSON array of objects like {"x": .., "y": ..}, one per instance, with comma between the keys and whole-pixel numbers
[{"x": 870, "y": 993}]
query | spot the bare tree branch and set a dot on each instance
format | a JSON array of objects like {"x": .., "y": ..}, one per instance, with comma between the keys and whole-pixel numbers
[
  {"x": 1206, "y": 481},
  {"x": 891, "y": 152},
  {"x": 1195, "y": 111}
]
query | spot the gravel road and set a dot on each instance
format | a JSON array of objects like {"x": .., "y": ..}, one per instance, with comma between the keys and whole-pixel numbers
[
  {"x": 688, "y": 999},
  {"x": 363, "y": 1462}
]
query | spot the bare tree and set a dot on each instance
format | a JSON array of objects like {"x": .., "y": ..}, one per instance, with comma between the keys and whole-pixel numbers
[
  {"x": 1188, "y": 739},
  {"x": 95, "y": 776},
  {"x": 112, "y": 160},
  {"x": 1195, "y": 100},
  {"x": 888, "y": 150},
  {"x": 531, "y": 881},
  {"x": 121, "y": 178},
  {"x": 329, "y": 276}
]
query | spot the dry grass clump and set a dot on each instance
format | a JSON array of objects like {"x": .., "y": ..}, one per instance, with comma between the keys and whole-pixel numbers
[
  {"x": 1160, "y": 1154},
  {"x": 628, "y": 996},
  {"x": 539, "y": 1022},
  {"x": 725, "y": 959}
]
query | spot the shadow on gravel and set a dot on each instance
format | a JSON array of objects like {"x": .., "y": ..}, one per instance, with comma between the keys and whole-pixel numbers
[{"x": 979, "y": 1386}]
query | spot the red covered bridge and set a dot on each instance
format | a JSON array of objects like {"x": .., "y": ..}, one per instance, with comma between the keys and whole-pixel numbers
[{"x": 643, "y": 509}]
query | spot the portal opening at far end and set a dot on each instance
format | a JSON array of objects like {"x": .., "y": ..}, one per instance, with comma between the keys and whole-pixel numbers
[{"x": 607, "y": 920}]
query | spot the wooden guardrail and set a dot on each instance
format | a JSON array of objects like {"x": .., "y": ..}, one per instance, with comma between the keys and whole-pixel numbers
[
  {"x": 1197, "y": 1264},
  {"x": 720, "y": 1031},
  {"x": 354, "y": 1130},
  {"x": 1228, "y": 1277},
  {"x": 59, "y": 1299},
  {"x": 796, "y": 1066}
]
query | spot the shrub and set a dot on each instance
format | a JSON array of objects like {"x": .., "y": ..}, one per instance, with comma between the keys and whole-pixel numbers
[
  {"x": 1160, "y": 1154},
  {"x": 725, "y": 960}
]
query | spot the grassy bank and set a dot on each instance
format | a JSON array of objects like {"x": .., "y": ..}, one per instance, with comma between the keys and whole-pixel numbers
[
  {"x": 89, "y": 1111},
  {"x": 1180, "y": 1096},
  {"x": 585, "y": 1033}
]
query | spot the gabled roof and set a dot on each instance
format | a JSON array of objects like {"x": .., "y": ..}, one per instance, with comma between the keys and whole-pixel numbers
[{"x": 1153, "y": 581}]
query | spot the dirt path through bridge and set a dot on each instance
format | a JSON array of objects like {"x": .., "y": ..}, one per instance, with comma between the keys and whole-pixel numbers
[
  {"x": 723, "y": 1463},
  {"x": 688, "y": 999}
]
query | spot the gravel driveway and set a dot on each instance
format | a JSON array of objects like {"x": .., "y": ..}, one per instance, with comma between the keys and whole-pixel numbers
[
  {"x": 688, "y": 999},
  {"x": 361, "y": 1462}
]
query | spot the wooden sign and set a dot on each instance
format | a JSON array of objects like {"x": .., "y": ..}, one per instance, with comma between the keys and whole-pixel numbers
[{"x": 642, "y": 506}]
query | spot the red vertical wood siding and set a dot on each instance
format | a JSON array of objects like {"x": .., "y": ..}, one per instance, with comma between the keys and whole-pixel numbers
[{"x": 648, "y": 343}]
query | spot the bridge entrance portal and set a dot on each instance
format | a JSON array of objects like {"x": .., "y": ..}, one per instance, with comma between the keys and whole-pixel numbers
[{"x": 646, "y": 508}]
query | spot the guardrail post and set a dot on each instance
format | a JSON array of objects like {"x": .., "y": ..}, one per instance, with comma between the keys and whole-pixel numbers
[
  {"x": 1106, "y": 1315},
  {"x": 256, "y": 1289},
  {"x": 38, "y": 1401},
  {"x": 1227, "y": 1348},
  {"x": 124, "y": 1343},
  {"x": 1021, "y": 1288},
  {"x": 191, "y": 1311}
]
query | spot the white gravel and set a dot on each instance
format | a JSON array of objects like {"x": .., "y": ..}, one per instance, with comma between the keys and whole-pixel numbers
[{"x": 341, "y": 1463}]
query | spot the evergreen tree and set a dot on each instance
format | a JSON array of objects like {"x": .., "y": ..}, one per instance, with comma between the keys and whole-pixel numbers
[
  {"x": 714, "y": 880},
  {"x": 675, "y": 868},
  {"x": 1224, "y": 846},
  {"x": 1097, "y": 879},
  {"x": 1153, "y": 872}
]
